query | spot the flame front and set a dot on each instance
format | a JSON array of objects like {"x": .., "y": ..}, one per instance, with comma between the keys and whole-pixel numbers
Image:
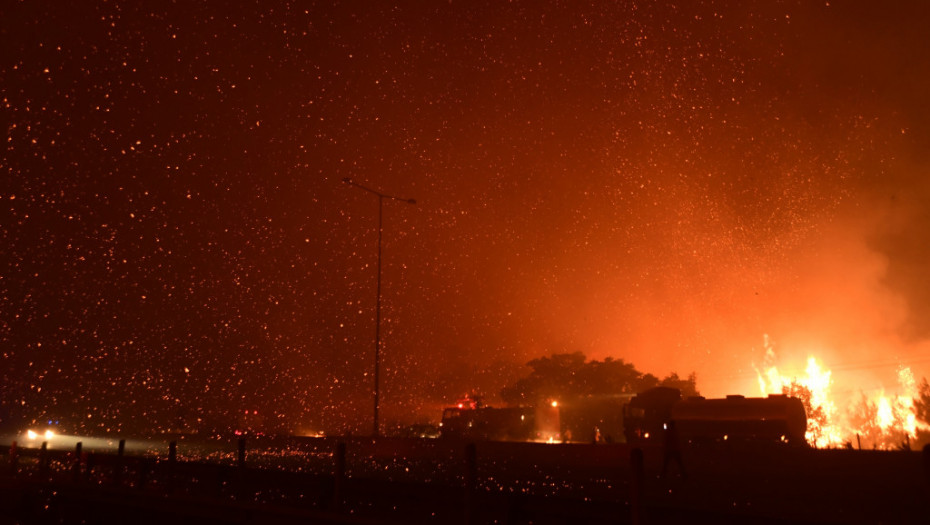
[
  {"x": 814, "y": 391},
  {"x": 888, "y": 419},
  {"x": 879, "y": 420}
]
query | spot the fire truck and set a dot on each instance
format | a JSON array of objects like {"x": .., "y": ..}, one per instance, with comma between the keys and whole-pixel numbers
[
  {"x": 472, "y": 421},
  {"x": 638, "y": 419},
  {"x": 772, "y": 419}
]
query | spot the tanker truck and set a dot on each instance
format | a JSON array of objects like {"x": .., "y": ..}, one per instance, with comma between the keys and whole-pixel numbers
[{"x": 698, "y": 420}]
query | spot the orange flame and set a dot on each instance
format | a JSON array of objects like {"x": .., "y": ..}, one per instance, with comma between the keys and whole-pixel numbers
[{"x": 881, "y": 420}]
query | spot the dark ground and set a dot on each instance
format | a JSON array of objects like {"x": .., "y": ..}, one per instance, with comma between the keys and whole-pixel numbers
[{"x": 434, "y": 481}]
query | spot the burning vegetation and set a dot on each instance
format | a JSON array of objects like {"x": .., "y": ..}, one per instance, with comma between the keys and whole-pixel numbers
[
  {"x": 877, "y": 419},
  {"x": 795, "y": 407}
]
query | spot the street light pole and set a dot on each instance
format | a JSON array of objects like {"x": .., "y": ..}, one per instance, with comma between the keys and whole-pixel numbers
[{"x": 377, "y": 389}]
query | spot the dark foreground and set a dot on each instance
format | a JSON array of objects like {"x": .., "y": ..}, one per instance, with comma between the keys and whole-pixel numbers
[{"x": 320, "y": 481}]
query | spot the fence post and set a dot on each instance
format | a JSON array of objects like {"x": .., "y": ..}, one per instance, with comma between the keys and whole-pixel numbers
[
  {"x": 76, "y": 468},
  {"x": 926, "y": 459},
  {"x": 471, "y": 482},
  {"x": 14, "y": 460},
  {"x": 241, "y": 457},
  {"x": 638, "y": 467},
  {"x": 172, "y": 465},
  {"x": 142, "y": 473},
  {"x": 44, "y": 467},
  {"x": 242, "y": 480},
  {"x": 118, "y": 469},
  {"x": 339, "y": 475}
]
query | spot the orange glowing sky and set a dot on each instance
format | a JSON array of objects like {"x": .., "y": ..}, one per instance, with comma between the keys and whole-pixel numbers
[{"x": 652, "y": 181}]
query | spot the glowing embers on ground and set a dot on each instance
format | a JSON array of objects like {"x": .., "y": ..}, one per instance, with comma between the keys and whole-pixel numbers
[{"x": 877, "y": 420}]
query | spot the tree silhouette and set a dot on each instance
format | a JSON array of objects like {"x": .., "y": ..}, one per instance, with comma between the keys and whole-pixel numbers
[
  {"x": 922, "y": 402},
  {"x": 817, "y": 418},
  {"x": 922, "y": 409},
  {"x": 571, "y": 376},
  {"x": 687, "y": 386}
]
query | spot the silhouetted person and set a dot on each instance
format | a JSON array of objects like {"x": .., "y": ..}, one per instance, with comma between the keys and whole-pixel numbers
[{"x": 672, "y": 450}]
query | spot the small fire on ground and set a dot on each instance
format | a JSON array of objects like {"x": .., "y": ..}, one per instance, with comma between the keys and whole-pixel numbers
[{"x": 878, "y": 420}]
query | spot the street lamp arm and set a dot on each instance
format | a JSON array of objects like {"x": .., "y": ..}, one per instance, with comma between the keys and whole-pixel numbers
[
  {"x": 377, "y": 387},
  {"x": 378, "y": 193}
]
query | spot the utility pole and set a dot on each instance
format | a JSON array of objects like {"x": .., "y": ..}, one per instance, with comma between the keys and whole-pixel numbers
[{"x": 377, "y": 386}]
